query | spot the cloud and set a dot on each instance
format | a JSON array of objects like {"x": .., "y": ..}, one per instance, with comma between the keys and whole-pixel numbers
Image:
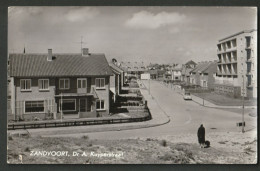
[
  {"x": 148, "y": 20},
  {"x": 81, "y": 14},
  {"x": 174, "y": 30}
]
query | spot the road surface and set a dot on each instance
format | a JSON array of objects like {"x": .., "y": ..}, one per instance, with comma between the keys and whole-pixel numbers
[{"x": 186, "y": 117}]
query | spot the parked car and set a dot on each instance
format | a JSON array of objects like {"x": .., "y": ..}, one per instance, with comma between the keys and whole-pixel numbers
[{"x": 187, "y": 96}]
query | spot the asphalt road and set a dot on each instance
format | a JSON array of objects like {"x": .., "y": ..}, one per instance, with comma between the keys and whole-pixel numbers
[{"x": 186, "y": 117}]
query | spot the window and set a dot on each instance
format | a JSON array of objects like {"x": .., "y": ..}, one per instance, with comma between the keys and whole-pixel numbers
[
  {"x": 100, "y": 82},
  {"x": 82, "y": 83},
  {"x": 68, "y": 104},
  {"x": 43, "y": 84},
  {"x": 64, "y": 83},
  {"x": 100, "y": 105},
  {"x": 25, "y": 84},
  {"x": 34, "y": 106}
]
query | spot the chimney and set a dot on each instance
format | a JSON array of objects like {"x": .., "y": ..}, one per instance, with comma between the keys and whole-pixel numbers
[
  {"x": 85, "y": 52},
  {"x": 49, "y": 57}
]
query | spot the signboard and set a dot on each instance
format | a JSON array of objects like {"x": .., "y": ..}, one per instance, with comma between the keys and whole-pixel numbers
[
  {"x": 145, "y": 76},
  {"x": 241, "y": 124}
]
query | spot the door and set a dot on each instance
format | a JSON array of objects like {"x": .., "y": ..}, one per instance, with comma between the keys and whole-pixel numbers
[
  {"x": 82, "y": 85},
  {"x": 82, "y": 105}
]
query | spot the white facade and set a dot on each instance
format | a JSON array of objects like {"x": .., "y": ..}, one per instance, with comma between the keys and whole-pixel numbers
[{"x": 237, "y": 61}]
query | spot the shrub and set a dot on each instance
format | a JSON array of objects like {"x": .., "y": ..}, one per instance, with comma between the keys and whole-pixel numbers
[
  {"x": 10, "y": 138},
  {"x": 164, "y": 143},
  {"x": 27, "y": 149},
  {"x": 85, "y": 137}
]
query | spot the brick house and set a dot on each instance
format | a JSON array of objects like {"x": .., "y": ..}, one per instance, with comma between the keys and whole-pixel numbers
[{"x": 74, "y": 85}]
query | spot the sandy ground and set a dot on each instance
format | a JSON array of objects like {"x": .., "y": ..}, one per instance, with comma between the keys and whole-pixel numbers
[{"x": 226, "y": 148}]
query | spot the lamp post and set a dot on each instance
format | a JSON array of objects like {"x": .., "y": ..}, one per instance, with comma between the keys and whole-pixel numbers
[
  {"x": 149, "y": 86},
  {"x": 243, "y": 105},
  {"x": 243, "y": 99}
]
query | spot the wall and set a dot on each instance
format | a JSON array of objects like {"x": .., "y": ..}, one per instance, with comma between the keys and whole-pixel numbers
[
  {"x": 103, "y": 94},
  {"x": 230, "y": 91}
]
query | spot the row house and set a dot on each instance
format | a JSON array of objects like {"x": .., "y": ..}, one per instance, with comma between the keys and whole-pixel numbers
[
  {"x": 133, "y": 68},
  {"x": 116, "y": 81},
  {"x": 67, "y": 85},
  {"x": 204, "y": 74}
]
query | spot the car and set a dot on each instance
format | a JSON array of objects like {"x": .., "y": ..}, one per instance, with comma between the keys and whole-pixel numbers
[{"x": 187, "y": 96}]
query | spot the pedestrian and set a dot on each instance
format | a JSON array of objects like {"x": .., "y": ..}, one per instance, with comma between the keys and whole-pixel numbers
[{"x": 201, "y": 136}]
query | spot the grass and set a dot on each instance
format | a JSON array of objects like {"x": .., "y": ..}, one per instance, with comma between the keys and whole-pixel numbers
[
  {"x": 224, "y": 100},
  {"x": 85, "y": 137},
  {"x": 133, "y": 151}
]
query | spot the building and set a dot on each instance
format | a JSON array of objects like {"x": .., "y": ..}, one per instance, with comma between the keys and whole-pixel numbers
[
  {"x": 176, "y": 72},
  {"x": 237, "y": 64},
  {"x": 156, "y": 74},
  {"x": 133, "y": 68},
  {"x": 185, "y": 72},
  {"x": 203, "y": 75},
  {"x": 116, "y": 81},
  {"x": 71, "y": 85},
  {"x": 190, "y": 64}
]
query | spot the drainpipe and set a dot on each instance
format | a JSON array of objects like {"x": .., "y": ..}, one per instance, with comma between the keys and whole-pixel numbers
[{"x": 61, "y": 108}]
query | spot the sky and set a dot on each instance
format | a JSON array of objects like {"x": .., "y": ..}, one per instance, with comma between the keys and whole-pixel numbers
[{"x": 154, "y": 34}]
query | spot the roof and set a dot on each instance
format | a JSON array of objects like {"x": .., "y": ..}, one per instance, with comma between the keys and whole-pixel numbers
[
  {"x": 35, "y": 65},
  {"x": 211, "y": 68},
  {"x": 191, "y": 62},
  {"x": 178, "y": 67},
  {"x": 116, "y": 68},
  {"x": 205, "y": 67},
  {"x": 132, "y": 66},
  {"x": 241, "y": 32},
  {"x": 153, "y": 71}
]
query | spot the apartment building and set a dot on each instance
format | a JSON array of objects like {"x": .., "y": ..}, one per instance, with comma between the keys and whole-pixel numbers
[
  {"x": 237, "y": 64},
  {"x": 68, "y": 85}
]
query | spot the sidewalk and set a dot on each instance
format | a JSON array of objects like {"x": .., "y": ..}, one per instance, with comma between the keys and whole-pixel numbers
[
  {"x": 209, "y": 104},
  {"x": 158, "y": 118},
  {"x": 200, "y": 100}
]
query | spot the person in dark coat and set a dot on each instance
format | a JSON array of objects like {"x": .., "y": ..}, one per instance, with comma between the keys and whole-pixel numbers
[{"x": 201, "y": 136}]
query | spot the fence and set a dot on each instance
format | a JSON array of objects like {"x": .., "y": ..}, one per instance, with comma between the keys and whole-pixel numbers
[{"x": 81, "y": 122}]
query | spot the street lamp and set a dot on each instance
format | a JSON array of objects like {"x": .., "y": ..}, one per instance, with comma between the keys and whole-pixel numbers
[{"x": 243, "y": 105}]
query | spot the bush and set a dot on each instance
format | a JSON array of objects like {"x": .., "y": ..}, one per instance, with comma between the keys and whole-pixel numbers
[
  {"x": 27, "y": 149},
  {"x": 164, "y": 143},
  {"x": 10, "y": 138},
  {"x": 85, "y": 137}
]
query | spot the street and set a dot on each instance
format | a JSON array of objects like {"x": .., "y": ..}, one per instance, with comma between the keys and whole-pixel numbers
[{"x": 186, "y": 117}]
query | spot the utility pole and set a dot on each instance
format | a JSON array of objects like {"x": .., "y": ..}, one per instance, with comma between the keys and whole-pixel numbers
[
  {"x": 243, "y": 98},
  {"x": 149, "y": 86},
  {"x": 243, "y": 106}
]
